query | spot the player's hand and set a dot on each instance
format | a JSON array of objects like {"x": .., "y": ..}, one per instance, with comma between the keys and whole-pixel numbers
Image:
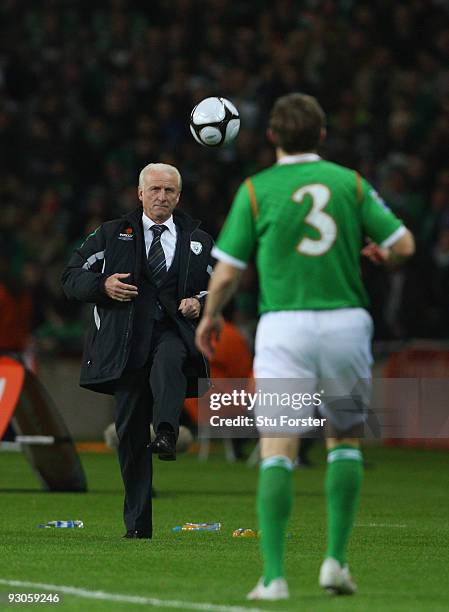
[
  {"x": 376, "y": 253},
  {"x": 208, "y": 333},
  {"x": 117, "y": 290},
  {"x": 190, "y": 308}
]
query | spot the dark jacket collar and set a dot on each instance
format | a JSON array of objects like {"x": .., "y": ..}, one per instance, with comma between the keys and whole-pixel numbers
[{"x": 182, "y": 219}]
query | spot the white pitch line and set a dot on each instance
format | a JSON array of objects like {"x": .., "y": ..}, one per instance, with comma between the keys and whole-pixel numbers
[
  {"x": 132, "y": 599},
  {"x": 395, "y": 525}
]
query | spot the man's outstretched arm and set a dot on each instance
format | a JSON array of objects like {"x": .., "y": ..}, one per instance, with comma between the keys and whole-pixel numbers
[{"x": 222, "y": 286}]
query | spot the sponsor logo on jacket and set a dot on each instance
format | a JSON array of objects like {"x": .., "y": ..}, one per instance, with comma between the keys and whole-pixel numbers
[{"x": 127, "y": 234}]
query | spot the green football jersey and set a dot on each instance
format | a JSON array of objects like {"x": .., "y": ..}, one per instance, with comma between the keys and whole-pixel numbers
[{"x": 306, "y": 219}]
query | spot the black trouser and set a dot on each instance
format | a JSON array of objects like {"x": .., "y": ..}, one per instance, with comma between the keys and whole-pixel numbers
[{"x": 155, "y": 393}]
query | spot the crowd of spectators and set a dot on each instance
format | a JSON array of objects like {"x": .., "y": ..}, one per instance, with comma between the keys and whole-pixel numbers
[{"x": 90, "y": 92}]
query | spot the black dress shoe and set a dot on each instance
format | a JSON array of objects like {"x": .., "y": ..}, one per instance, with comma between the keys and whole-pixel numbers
[
  {"x": 164, "y": 445},
  {"x": 137, "y": 535}
]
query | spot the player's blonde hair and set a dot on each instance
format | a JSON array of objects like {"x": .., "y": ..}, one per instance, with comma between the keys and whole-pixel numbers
[{"x": 160, "y": 166}]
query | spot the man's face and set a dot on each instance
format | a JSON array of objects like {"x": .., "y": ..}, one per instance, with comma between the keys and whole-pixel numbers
[{"x": 159, "y": 194}]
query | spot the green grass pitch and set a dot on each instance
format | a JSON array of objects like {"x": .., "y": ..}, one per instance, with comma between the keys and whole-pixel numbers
[{"x": 398, "y": 554}]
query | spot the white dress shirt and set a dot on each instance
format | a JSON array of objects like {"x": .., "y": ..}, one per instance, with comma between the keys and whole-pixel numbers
[{"x": 168, "y": 238}]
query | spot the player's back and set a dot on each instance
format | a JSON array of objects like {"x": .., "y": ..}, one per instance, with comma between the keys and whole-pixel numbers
[{"x": 309, "y": 221}]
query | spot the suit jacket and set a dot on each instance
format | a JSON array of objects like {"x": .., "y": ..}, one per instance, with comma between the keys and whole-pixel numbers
[{"x": 117, "y": 246}]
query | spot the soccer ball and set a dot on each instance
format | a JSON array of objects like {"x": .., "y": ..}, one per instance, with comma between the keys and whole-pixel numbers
[{"x": 214, "y": 122}]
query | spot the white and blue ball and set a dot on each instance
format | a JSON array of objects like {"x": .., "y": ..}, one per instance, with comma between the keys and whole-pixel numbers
[{"x": 214, "y": 122}]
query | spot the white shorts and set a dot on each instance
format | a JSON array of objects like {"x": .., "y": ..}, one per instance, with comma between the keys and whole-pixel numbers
[{"x": 323, "y": 348}]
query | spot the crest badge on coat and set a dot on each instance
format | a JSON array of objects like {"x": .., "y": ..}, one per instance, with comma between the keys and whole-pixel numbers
[{"x": 196, "y": 247}]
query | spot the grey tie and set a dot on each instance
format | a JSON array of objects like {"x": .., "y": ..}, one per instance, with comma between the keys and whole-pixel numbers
[{"x": 156, "y": 256}]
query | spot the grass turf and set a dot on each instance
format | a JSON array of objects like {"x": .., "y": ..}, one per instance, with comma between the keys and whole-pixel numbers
[{"x": 398, "y": 552}]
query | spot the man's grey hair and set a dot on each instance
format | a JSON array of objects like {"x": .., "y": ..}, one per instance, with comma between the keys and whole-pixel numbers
[{"x": 165, "y": 167}]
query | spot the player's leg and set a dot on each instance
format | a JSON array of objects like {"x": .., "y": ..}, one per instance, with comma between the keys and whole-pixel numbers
[
  {"x": 274, "y": 500},
  {"x": 346, "y": 363},
  {"x": 277, "y": 357},
  {"x": 274, "y": 504},
  {"x": 344, "y": 477}
]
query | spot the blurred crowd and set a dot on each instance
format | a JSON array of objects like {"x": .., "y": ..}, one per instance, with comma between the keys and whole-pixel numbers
[{"x": 90, "y": 92}]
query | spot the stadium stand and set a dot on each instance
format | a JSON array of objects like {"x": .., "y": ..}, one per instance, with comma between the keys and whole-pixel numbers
[{"x": 90, "y": 92}]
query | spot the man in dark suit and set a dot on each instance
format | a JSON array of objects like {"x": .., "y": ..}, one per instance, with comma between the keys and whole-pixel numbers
[{"x": 146, "y": 275}]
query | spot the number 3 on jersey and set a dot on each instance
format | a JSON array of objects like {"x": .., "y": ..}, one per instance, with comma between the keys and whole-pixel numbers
[{"x": 318, "y": 219}]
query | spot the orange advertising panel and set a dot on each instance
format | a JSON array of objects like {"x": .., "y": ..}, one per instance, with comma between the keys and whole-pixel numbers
[{"x": 12, "y": 375}]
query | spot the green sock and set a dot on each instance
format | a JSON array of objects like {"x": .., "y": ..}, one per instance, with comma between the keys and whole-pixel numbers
[
  {"x": 343, "y": 479},
  {"x": 274, "y": 502}
]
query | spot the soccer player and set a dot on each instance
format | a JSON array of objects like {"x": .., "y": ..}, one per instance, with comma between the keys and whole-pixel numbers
[{"x": 307, "y": 220}]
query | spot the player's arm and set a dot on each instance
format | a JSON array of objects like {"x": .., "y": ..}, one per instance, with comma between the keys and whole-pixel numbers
[
  {"x": 394, "y": 255},
  {"x": 222, "y": 286},
  {"x": 233, "y": 250},
  {"x": 391, "y": 243}
]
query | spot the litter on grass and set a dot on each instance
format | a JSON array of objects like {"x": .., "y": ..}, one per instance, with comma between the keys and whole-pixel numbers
[
  {"x": 198, "y": 527},
  {"x": 245, "y": 532},
  {"x": 62, "y": 525}
]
